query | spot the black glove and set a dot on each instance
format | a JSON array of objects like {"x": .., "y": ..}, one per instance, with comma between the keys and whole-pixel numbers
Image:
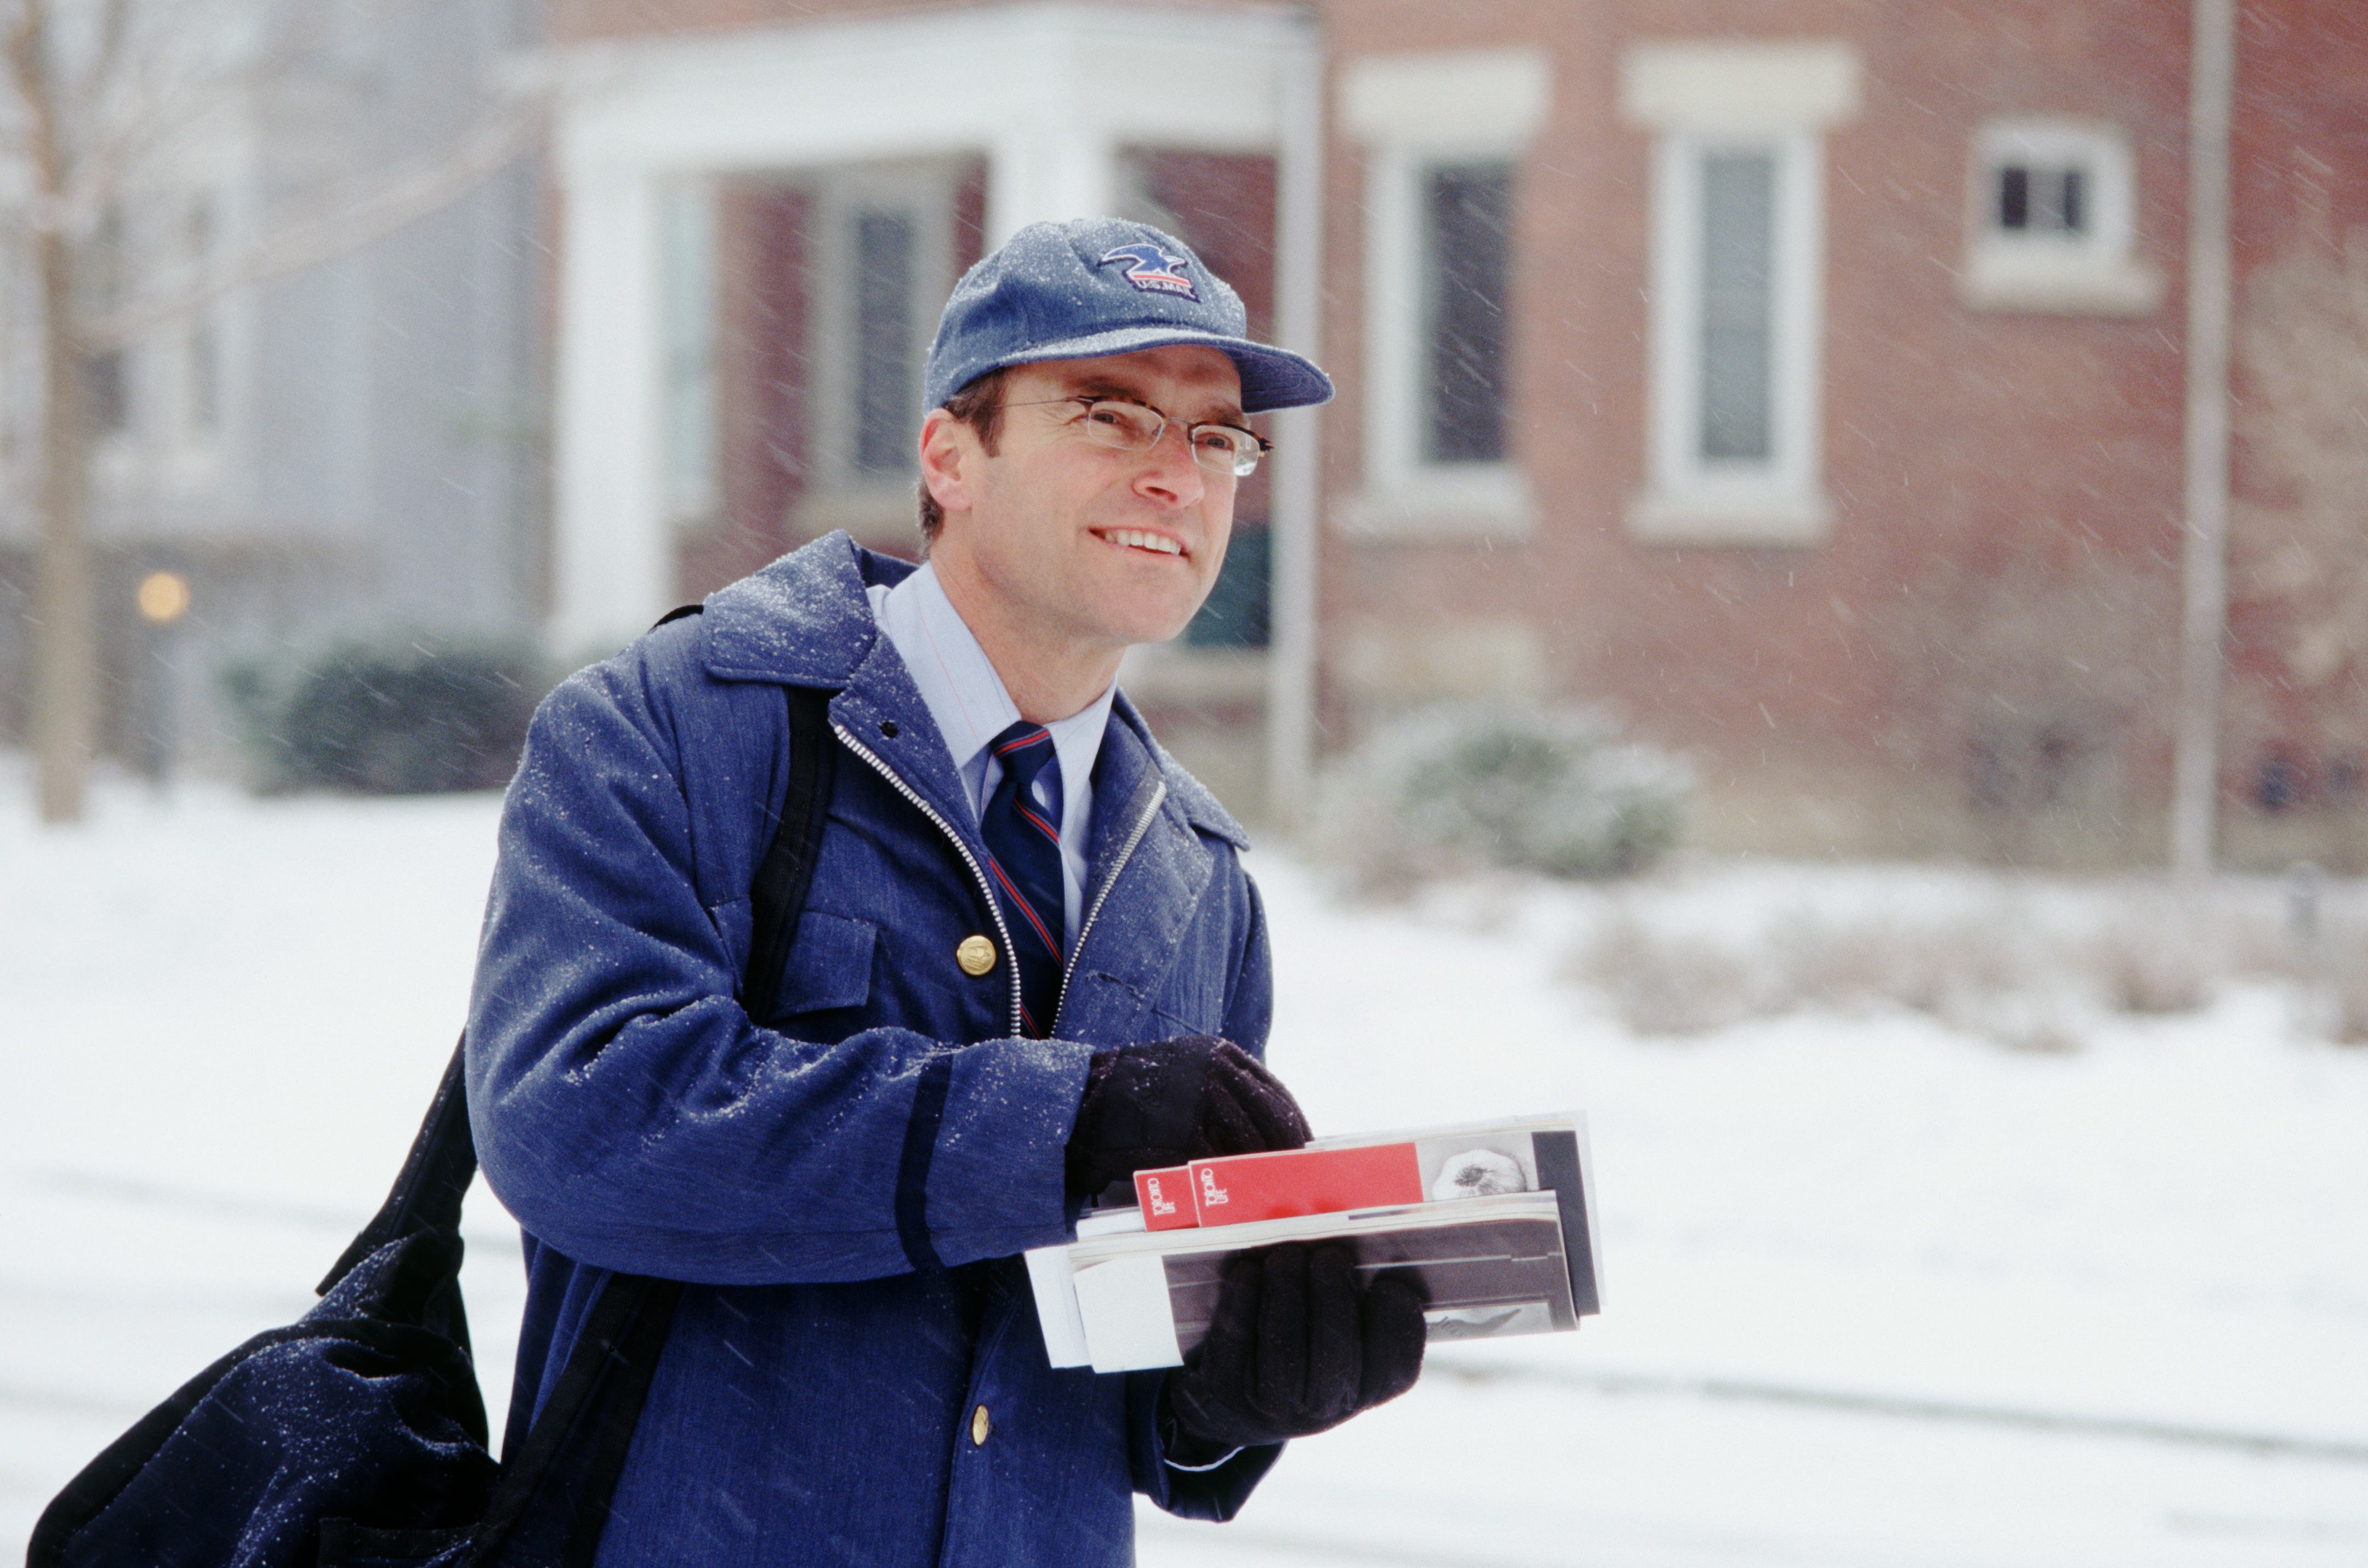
[
  {"x": 1295, "y": 1348},
  {"x": 1150, "y": 1105}
]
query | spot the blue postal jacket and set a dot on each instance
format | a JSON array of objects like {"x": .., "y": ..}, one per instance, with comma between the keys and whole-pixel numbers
[{"x": 847, "y": 1185}]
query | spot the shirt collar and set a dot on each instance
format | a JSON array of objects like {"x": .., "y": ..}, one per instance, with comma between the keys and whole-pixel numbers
[{"x": 965, "y": 698}]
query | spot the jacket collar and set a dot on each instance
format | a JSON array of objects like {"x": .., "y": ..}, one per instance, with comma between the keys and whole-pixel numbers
[{"x": 805, "y": 620}]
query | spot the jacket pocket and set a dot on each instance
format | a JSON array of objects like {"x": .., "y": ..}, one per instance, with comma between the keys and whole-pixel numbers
[{"x": 829, "y": 965}]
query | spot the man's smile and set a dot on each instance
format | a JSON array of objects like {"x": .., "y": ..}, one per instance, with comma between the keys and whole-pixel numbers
[{"x": 1141, "y": 539}]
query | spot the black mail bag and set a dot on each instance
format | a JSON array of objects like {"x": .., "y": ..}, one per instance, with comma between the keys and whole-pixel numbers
[{"x": 355, "y": 1436}]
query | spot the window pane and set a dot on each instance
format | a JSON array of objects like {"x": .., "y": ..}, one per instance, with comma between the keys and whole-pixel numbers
[
  {"x": 1738, "y": 305},
  {"x": 205, "y": 407},
  {"x": 1236, "y": 614},
  {"x": 2014, "y": 197},
  {"x": 885, "y": 386},
  {"x": 2075, "y": 219},
  {"x": 108, "y": 389},
  {"x": 1469, "y": 209}
]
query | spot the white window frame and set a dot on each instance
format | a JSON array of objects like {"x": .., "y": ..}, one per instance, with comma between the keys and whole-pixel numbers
[
  {"x": 2094, "y": 273},
  {"x": 691, "y": 403},
  {"x": 1784, "y": 485},
  {"x": 1702, "y": 100},
  {"x": 1415, "y": 113},
  {"x": 162, "y": 453},
  {"x": 925, "y": 192}
]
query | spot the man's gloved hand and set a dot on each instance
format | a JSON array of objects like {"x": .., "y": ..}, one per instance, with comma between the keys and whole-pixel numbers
[
  {"x": 1149, "y": 1106},
  {"x": 1296, "y": 1346}
]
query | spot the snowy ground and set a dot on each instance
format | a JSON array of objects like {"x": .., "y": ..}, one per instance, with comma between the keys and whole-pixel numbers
[{"x": 1880, "y": 1292}]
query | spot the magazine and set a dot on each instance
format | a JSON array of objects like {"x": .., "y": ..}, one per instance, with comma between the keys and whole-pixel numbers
[{"x": 1493, "y": 1220}]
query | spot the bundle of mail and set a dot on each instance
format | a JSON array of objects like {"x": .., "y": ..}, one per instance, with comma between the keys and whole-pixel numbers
[{"x": 1494, "y": 1221}]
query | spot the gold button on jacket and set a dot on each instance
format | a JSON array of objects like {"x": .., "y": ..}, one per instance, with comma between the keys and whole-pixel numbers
[
  {"x": 977, "y": 955},
  {"x": 979, "y": 1428}
]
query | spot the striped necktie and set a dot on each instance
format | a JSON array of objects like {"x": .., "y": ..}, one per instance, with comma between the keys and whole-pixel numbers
[{"x": 1023, "y": 845}]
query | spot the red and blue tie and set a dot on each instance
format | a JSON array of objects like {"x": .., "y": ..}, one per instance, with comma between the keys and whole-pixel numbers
[{"x": 1023, "y": 845}]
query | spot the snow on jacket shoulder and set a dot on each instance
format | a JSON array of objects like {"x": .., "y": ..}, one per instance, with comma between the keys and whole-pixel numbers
[{"x": 847, "y": 1183}]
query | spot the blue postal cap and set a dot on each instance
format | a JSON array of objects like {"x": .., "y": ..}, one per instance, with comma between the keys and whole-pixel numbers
[{"x": 1095, "y": 287}]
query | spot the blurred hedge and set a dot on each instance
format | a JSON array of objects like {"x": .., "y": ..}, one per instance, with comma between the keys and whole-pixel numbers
[
  {"x": 393, "y": 715},
  {"x": 1458, "y": 786}
]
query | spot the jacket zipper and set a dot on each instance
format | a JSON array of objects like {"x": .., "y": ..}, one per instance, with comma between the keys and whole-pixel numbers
[
  {"x": 1126, "y": 852},
  {"x": 1008, "y": 958}
]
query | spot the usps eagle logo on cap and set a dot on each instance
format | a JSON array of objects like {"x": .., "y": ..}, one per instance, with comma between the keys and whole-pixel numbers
[{"x": 1153, "y": 268}]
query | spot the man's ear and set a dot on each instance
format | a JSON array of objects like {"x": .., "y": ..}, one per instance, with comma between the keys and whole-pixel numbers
[{"x": 950, "y": 454}]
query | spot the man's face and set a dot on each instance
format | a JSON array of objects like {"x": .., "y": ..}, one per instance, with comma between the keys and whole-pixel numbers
[{"x": 1087, "y": 544}]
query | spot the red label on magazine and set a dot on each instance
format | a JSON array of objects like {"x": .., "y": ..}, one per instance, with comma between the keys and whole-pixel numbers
[
  {"x": 1167, "y": 1198},
  {"x": 1244, "y": 1187}
]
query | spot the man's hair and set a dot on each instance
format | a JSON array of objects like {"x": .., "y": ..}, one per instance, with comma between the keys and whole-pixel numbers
[{"x": 979, "y": 405}]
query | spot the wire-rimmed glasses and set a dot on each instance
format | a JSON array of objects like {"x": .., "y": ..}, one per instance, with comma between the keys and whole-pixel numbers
[{"x": 1131, "y": 426}]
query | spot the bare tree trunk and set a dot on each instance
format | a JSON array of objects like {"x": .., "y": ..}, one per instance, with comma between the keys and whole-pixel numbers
[{"x": 65, "y": 647}]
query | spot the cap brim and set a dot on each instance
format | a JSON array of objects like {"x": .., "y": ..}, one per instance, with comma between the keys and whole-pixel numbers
[{"x": 1271, "y": 378}]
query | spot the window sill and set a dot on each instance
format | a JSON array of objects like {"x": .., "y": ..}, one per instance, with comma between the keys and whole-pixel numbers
[
  {"x": 877, "y": 516},
  {"x": 1188, "y": 676},
  {"x": 1493, "y": 508},
  {"x": 1730, "y": 516},
  {"x": 2048, "y": 283},
  {"x": 124, "y": 464}
]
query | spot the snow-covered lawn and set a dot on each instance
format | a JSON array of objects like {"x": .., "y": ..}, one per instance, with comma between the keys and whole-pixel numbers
[{"x": 1879, "y": 1292}]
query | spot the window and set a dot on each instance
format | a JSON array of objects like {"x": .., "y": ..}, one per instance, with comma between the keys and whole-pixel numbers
[
  {"x": 887, "y": 266},
  {"x": 1736, "y": 287},
  {"x": 201, "y": 354},
  {"x": 204, "y": 365},
  {"x": 2052, "y": 222},
  {"x": 1734, "y": 302},
  {"x": 887, "y": 365},
  {"x": 106, "y": 392},
  {"x": 107, "y": 373},
  {"x": 1467, "y": 214},
  {"x": 1737, "y": 348},
  {"x": 2041, "y": 199},
  {"x": 1445, "y": 131}
]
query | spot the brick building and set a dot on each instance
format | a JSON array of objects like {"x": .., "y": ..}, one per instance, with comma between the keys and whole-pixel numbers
[{"x": 1804, "y": 380}]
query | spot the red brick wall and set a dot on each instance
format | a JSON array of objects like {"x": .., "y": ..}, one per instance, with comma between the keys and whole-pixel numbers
[
  {"x": 760, "y": 382},
  {"x": 2007, "y": 487},
  {"x": 1954, "y": 440},
  {"x": 2300, "y": 163}
]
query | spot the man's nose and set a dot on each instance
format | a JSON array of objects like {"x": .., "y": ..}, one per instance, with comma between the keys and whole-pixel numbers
[{"x": 1170, "y": 473}]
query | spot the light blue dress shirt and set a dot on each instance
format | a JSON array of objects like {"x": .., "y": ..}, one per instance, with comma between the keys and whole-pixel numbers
[{"x": 967, "y": 701}]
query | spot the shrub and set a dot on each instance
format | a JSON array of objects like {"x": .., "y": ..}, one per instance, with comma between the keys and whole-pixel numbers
[
  {"x": 1668, "y": 983},
  {"x": 2161, "y": 955},
  {"x": 1451, "y": 789},
  {"x": 1978, "y": 975},
  {"x": 388, "y": 716},
  {"x": 2348, "y": 1024},
  {"x": 2330, "y": 978},
  {"x": 1950, "y": 968}
]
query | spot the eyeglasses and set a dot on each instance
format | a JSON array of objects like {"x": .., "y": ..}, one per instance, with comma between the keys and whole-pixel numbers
[{"x": 1131, "y": 426}]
